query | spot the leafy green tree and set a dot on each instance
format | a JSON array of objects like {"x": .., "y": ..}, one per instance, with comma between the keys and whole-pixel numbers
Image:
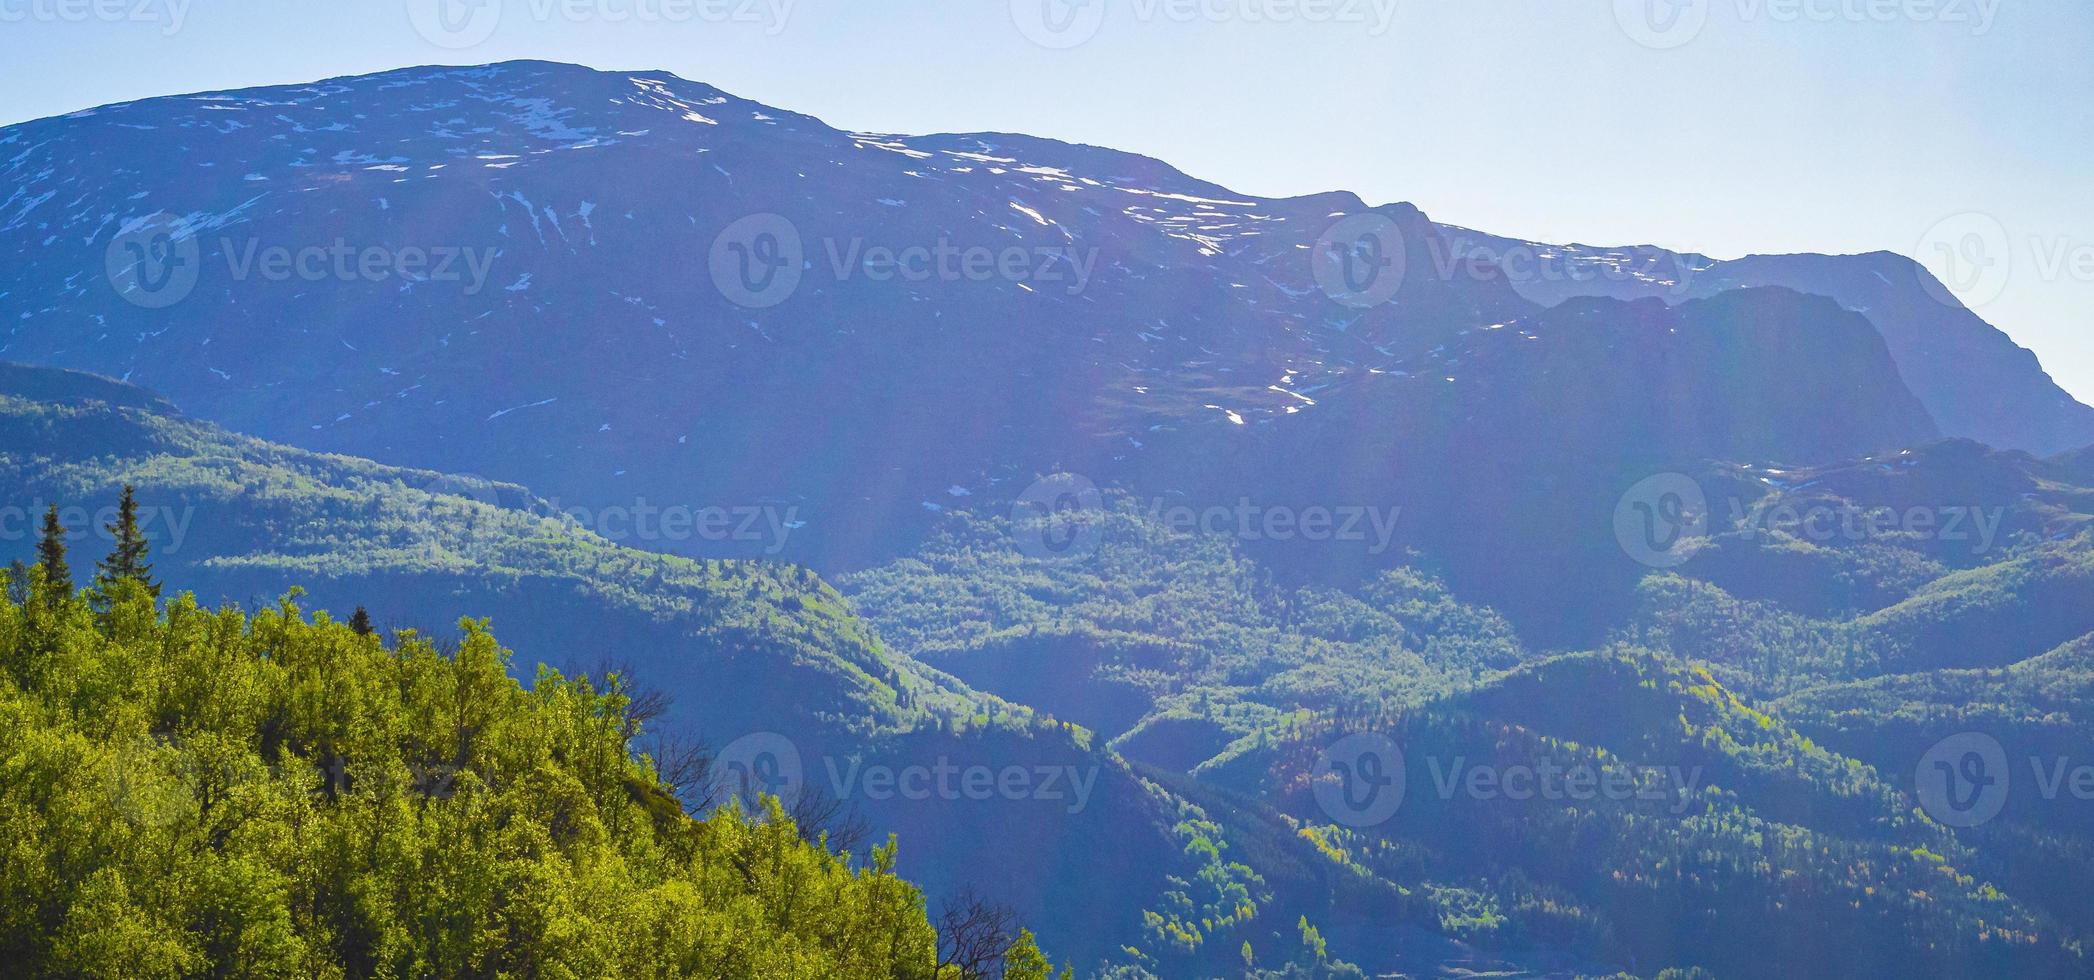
[
  {"x": 1024, "y": 961},
  {"x": 197, "y": 793}
]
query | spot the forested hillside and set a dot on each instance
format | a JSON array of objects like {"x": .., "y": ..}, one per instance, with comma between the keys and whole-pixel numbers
[
  {"x": 1172, "y": 644},
  {"x": 1773, "y": 695},
  {"x": 724, "y": 649},
  {"x": 206, "y": 793},
  {"x": 1193, "y": 690},
  {"x": 238, "y": 520},
  {"x": 1742, "y": 847}
]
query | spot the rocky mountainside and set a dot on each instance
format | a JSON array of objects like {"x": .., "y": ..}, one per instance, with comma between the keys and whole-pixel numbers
[
  {"x": 1978, "y": 383},
  {"x": 632, "y": 290}
]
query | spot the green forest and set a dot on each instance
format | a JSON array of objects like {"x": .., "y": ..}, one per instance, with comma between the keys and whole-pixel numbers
[{"x": 195, "y": 793}]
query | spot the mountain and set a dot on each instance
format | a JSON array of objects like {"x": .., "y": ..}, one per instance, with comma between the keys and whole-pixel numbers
[
  {"x": 1508, "y": 450},
  {"x": 1877, "y": 605},
  {"x": 2036, "y": 712},
  {"x": 1951, "y": 556},
  {"x": 1977, "y": 383},
  {"x": 1205, "y": 691},
  {"x": 593, "y": 357},
  {"x": 1730, "y": 842},
  {"x": 547, "y": 275},
  {"x": 1145, "y": 502},
  {"x": 740, "y": 663}
]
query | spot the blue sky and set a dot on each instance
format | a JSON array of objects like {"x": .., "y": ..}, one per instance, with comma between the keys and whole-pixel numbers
[{"x": 1723, "y": 126}]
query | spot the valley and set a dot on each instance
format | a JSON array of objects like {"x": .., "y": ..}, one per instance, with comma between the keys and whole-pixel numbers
[{"x": 1216, "y": 585}]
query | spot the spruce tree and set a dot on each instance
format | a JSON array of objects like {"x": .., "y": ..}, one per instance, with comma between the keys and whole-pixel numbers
[
  {"x": 50, "y": 553},
  {"x": 361, "y": 622},
  {"x": 126, "y": 562}
]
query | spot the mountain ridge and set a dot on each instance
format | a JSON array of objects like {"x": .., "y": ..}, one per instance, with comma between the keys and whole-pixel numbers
[
  {"x": 1977, "y": 380},
  {"x": 1157, "y": 321}
]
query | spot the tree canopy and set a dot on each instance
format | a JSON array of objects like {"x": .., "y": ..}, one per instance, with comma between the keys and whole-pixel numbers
[{"x": 187, "y": 792}]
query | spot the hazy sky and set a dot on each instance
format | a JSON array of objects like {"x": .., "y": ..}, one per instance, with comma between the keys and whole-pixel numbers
[{"x": 1722, "y": 126}]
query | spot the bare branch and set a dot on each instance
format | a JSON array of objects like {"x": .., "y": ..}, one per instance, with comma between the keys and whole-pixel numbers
[{"x": 974, "y": 936}]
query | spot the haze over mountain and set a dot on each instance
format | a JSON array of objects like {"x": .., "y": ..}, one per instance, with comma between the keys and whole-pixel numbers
[
  {"x": 623, "y": 291},
  {"x": 741, "y": 657},
  {"x": 1976, "y": 380},
  {"x": 570, "y": 319},
  {"x": 1206, "y": 691}
]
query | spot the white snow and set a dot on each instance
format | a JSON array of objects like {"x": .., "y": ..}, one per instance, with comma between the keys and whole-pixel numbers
[{"x": 520, "y": 408}]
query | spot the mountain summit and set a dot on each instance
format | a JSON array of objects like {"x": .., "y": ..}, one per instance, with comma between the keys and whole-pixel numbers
[{"x": 617, "y": 287}]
